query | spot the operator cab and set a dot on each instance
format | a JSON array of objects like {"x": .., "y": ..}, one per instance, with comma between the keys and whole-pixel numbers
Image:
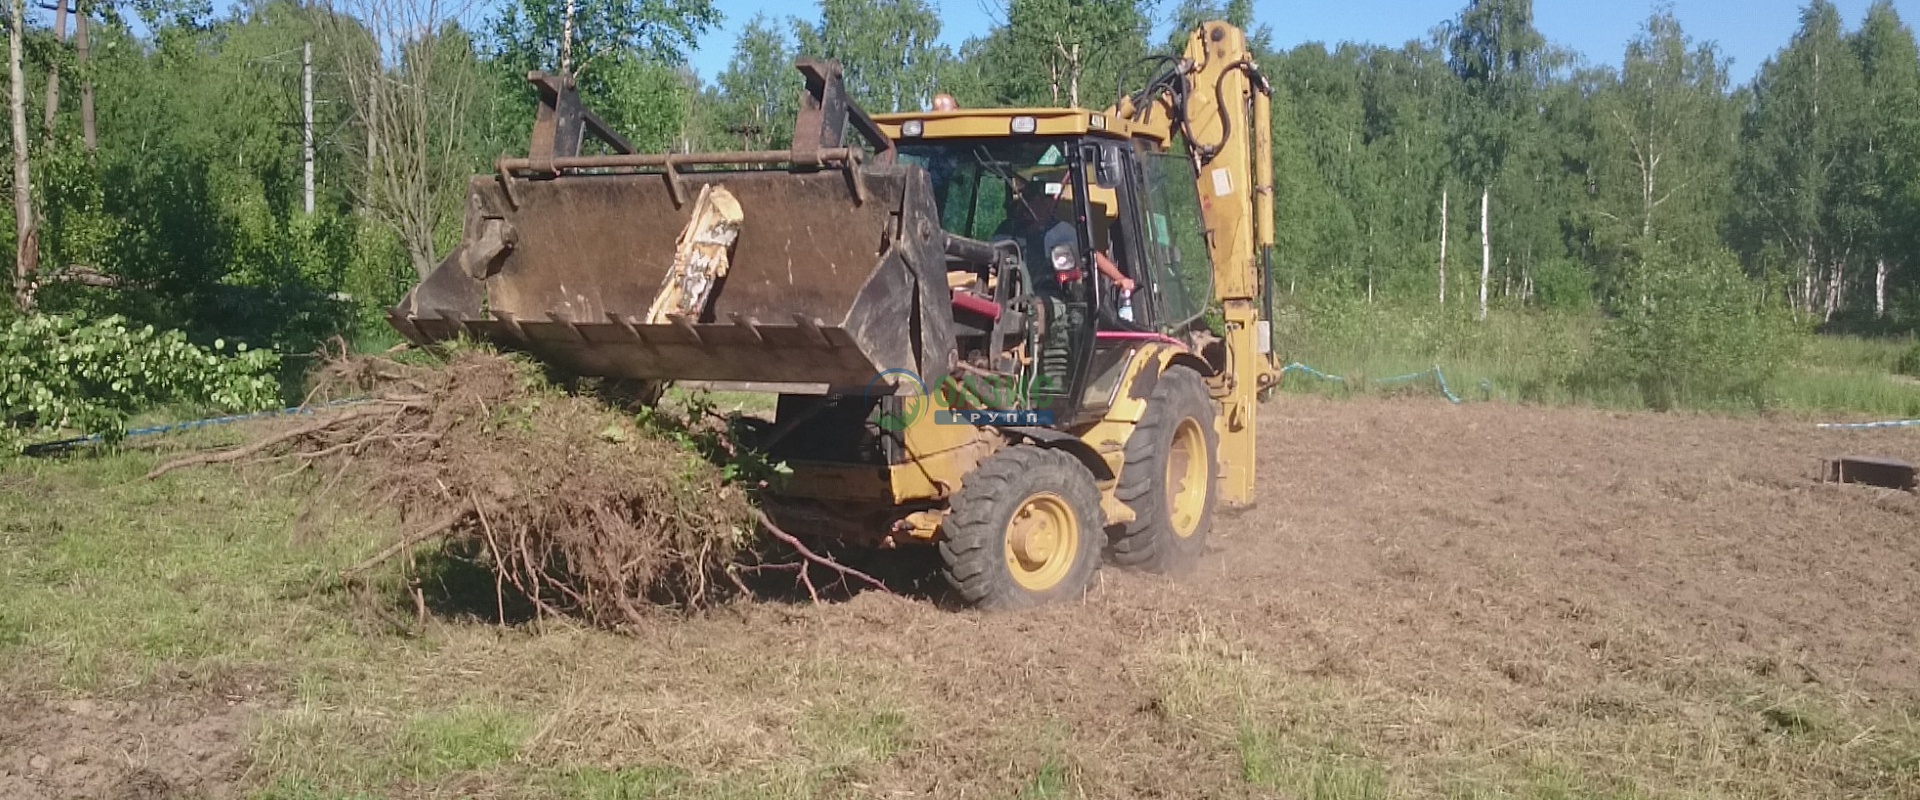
[{"x": 1051, "y": 202}]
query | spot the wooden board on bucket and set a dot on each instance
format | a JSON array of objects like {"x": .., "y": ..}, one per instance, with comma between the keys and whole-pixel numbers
[{"x": 701, "y": 256}]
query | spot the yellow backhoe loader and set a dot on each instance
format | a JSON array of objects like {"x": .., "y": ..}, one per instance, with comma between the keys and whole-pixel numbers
[{"x": 929, "y": 296}]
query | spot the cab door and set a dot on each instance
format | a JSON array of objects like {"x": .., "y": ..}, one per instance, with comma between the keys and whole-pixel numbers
[{"x": 1173, "y": 237}]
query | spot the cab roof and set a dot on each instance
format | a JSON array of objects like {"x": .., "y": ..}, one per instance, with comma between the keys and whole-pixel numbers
[{"x": 974, "y": 123}]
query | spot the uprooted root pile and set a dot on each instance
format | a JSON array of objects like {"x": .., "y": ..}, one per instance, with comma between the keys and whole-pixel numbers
[{"x": 569, "y": 502}]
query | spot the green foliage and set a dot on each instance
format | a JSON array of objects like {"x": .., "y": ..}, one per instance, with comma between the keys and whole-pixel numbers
[
  {"x": 1694, "y": 333},
  {"x": 1052, "y": 51},
  {"x": 189, "y": 214},
  {"x": 1498, "y": 55},
  {"x": 760, "y": 89},
  {"x": 727, "y": 446},
  {"x": 625, "y": 58},
  {"x": 1909, "y": 363},
  {"x": 67, "y": 373},
  {"x": 1663, "y": 130},
  {"x": 887, "y": 48}
]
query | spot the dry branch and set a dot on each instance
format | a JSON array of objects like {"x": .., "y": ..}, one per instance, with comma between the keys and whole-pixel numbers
[
  {"x": 579, "y": 522},
  {"x": 813, "y": 557},
  {"x": 238, "y": 453},
  {"x": 442, "y": 526}
]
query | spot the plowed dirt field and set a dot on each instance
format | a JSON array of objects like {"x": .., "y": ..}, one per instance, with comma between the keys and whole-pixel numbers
[{"x": 1428, "y": 601}]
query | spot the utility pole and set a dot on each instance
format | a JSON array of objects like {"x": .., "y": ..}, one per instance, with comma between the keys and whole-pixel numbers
[{"x": 306, "y": 106}]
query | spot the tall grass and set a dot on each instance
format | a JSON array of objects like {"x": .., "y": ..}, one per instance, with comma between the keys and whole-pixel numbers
[{"x": 1550, "y": 357}]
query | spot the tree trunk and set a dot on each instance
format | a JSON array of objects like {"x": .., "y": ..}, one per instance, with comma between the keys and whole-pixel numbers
[
  {"x": 1073, "y": 77},
  {"x": 25, "y": 255},
  {"x": 373, "y": 143},
  {"x": 306, "y": 119},
  {"x": 1486, "y": 251},
  {"x": 421, "y": 256},
  {"x": 1880, "y": 289},
  {"x": 1806, "y": 281},
  {"x": 1836, "y": 282},
  {"x": 1443, "y": 245},
  {"x": 566, "y": 41},
  {"x": 86, "y": 81},
  {"x": 53, "y": 72},
  {"x": 1369, "y": 262}
]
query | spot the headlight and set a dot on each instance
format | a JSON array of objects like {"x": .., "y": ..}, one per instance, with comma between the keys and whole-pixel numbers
[
  {"x": 1097, "y": 122},
  {"x": 1024, "y": 125},
  {"x": 911, "y": 127},
  {"x": 1062, "y": 258}
]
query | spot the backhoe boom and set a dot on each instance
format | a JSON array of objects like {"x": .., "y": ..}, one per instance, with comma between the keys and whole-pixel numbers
[{"x": 1216, "y": 101}]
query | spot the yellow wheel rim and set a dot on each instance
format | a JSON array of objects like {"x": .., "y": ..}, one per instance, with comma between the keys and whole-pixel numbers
[
  {"x": 1187, "y": 478},
  {"x": 1042, "y": 542}
]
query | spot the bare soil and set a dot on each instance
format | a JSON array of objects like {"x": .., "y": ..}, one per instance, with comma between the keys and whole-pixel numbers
[
  {"x": 1428, "y": 600},
  {"x": 168, "y": 746}
]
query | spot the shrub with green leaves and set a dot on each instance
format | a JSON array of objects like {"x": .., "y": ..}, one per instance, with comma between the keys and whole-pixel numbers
[
  {"x": 1909, "y": 363},
  {"x": 66, "y": 373},
  {"x": 1693, "y": 332}
]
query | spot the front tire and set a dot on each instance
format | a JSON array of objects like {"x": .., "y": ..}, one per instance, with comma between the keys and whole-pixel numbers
[
  {"x": 1024, "y": 531},
  {"x": 1170, "y": 478}
]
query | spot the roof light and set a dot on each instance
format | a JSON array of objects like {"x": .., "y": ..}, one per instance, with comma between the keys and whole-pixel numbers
[
  {"x": 1024, "y": 125},
  {"x": 911, "y": 127},
  {"x": 1097, "y": 122}
]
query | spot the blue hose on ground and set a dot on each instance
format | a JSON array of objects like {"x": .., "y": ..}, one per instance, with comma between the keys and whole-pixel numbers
[
  {"x": 1893, "y": 423},
  {"x": 1440, "y": 378},
  {"x": 45, "y": 447}
]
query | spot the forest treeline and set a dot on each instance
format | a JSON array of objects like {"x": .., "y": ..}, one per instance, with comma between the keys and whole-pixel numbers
[{"x": 161, "y": 154}]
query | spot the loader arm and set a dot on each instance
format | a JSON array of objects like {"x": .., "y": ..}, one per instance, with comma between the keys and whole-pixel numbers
[{"x": 1215, "y": 101}]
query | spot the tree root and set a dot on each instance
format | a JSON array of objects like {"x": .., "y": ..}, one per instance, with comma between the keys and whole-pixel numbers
[
  {"x": 229, "y": 456},
  {"x": 522, "y": 481},
  {"x": 811, "y": 557},
  {"x": 444, "y": 525}
]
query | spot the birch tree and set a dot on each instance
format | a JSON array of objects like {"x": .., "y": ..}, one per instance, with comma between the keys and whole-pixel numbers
[
  {"x": 26, "y": 249},
  {"x": 1495, "y": 51},
  {"x": 1885, "y": 150},
  {"x": 1789, "y": 174},
  {"x": 888, "y": 50},
  {"x": 1664, "y": 131}
]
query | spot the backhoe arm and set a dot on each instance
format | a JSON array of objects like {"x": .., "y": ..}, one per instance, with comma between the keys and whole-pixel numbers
[{"x": 1216, "y": 101}]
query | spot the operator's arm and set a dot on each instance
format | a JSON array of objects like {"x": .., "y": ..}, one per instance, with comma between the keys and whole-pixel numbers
[{"x": 1112, "y": 270}]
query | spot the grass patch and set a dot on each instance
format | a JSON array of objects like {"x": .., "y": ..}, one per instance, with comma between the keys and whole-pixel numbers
[
  {"x": 1537, "y": 357},
  {"x": 1053, "y": 781},
  {"x": 437, "y": 743},
  {"x": 631, "y": 783},
  {"x": 1330, "y": 771},
  {"x": 1327, "y": 738},
  {"x": 113, "y": 577}
]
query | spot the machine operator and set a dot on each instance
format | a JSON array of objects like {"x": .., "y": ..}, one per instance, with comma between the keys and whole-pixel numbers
[{"x": 1028, "y": 216}]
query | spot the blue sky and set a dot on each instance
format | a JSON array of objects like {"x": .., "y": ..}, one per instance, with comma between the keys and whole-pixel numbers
[{"x": 1748, "y": 31}]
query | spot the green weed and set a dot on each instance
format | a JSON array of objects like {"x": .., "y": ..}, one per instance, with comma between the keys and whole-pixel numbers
[{"x": 1563, "y": 358}]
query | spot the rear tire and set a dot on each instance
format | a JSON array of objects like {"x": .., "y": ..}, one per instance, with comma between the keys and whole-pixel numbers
[
  {"x": 1170, "y": 478},
  {"x": 1025, "y": 531}
]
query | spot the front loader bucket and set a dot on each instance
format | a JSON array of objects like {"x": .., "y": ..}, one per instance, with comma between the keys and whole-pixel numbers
[{"x": 836, "y": 276}]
